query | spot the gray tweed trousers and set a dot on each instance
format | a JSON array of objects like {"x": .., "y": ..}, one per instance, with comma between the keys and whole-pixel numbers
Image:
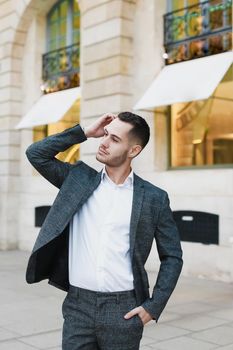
[{"x": 95, "y": 320}]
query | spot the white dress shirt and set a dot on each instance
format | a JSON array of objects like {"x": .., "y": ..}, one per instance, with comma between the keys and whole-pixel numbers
[{"x": 99, "y": 255}]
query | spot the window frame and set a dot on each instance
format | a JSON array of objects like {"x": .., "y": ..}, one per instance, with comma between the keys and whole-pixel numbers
[{"x": 69, "y": 24}]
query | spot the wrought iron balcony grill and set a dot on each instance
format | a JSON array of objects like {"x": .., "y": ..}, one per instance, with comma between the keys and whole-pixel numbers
[
  {"x": 198, "y": 30},
  {"x": 61, "y": 69}
]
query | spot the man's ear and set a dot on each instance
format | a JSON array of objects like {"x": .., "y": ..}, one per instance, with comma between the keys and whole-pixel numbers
[{"x": 135, "y": 150}]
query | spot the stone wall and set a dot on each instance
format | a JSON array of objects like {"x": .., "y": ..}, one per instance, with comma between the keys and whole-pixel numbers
[{"x": 20, "y": 54}]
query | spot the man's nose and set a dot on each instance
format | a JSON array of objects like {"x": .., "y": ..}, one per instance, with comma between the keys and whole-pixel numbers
[{"x": 104, "y": 142}]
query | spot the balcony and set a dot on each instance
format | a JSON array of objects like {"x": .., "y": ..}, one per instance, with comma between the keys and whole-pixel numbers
[
  {"x": 198, "y": 30},
  {"x": 61, "y": 69}
]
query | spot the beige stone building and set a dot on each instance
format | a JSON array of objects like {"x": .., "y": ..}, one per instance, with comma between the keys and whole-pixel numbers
[{"x": 68, "y": 61}]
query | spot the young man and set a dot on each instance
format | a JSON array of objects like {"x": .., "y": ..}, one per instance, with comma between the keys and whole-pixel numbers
[{"x": 98, "y": 234}]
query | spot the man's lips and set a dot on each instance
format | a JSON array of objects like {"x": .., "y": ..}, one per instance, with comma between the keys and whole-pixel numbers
[{"x": 102, "y": 151}]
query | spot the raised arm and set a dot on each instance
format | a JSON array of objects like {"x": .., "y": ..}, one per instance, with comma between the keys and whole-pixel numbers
[{"x": 41, "y": 154}]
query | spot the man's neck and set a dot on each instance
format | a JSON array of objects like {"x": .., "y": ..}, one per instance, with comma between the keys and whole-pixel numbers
[{"x": 118, "y": 174}]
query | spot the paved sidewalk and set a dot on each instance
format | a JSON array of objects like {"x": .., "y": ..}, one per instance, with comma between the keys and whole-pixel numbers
[{"x": 199, "y": 315}]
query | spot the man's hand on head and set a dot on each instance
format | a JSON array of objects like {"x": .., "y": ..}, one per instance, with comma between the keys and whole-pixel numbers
[{"x": 97, "y": 128}]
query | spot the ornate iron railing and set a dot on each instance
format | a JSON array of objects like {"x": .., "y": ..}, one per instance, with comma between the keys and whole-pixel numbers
[
  {"x": 198, "y": 30},
  {"x": 61, "y": 69}
]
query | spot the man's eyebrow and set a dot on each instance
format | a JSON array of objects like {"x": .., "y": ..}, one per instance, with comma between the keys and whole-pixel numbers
[{"x": 113, "y": 135}]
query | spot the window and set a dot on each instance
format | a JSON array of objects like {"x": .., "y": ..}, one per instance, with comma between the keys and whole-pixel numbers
[
  {"x": 61, "y": 68},
  {"x": 63, "y": 25},
  {"x": 61, "y": 65},
  {"x": 194, "y": 29},
  {"x": 202, "y": 131}
]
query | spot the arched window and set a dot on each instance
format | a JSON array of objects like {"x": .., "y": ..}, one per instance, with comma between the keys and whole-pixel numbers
[
  {"x": 63, "y": 25},
  {"x": 61, "y": 68},
  {"x": 61, "y": 60}
]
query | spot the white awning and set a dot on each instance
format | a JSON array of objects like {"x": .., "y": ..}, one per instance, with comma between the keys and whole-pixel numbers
[
  {"x": 186, "y": 81},
  {"x": 50, "y": 108}
]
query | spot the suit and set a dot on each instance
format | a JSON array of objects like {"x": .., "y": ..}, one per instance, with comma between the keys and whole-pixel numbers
[{"x": 151, "y": 218}]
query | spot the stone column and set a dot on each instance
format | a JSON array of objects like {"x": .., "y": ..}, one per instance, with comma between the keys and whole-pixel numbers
[
  {"x": 106, "y": 62},
  {"x": 14, "y": 22},
  {"x": 10, "y": 97}
]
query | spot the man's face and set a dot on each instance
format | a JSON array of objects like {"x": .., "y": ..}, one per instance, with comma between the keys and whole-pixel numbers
[{"x": 116, "y": 144}]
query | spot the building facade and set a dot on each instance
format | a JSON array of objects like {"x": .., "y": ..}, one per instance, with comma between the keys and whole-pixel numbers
[{"x": 98, "y": 56}]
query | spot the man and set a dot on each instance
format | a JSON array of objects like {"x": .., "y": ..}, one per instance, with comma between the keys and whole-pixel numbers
[{"x": 98, "y": 234}]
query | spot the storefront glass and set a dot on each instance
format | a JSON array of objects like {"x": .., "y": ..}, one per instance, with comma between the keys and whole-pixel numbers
[
  {"x": 71, "y": 118},
  {"x": 202, "y": 131}
]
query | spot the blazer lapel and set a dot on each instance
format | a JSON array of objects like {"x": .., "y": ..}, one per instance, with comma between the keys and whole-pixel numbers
[
  {"x": 88, "y": 190},
  {"x": 92, "y": 186},
  {"x": 138, "y": 194}
]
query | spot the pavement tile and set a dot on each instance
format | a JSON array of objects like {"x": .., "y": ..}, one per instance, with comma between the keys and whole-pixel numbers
[
  {"x": 226, "y": 314},
  {"x": 198, "y": 290},
  {"x": 163, "y": 332},
  {"x": 12, "y": 312},
  {"x": 195, "y": 322},
  {"x": 15, "y": 345},
  {"x": 198, "y": 315},
  {"x": 44, "y": 340},
  {"x": 168, "y": 316},
  {"x": 222, "y": 335},
  {"x": 192, "y": 308},
  {"x": 145, "y": 341},
  {"x": 34, "y": 325},
  {"x": 5, "y": 334},
  {"x": 16, "y": 298},
  {"x": 222, "y": 300},
  {"x": 228, "y": 347},
  {"x": 184, "y": 343}
]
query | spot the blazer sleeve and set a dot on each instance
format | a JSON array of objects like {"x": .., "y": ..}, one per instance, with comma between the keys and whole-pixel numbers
[
  {"x": 171, "y": 262},
  {"x": 41, "y": 154}
]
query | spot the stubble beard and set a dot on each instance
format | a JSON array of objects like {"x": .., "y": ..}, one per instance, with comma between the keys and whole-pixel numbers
[{"x": 113, "y": 162}]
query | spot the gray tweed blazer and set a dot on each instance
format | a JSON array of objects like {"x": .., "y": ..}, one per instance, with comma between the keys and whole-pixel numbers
[{"x": 151, "y": 218}]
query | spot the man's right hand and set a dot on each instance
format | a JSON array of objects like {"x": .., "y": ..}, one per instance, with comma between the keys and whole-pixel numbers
[{"x": 97, "y": 128}]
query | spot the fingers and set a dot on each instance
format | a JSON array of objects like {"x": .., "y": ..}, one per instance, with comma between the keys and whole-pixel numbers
[
  {"x": 131, "y": 313},
  {"x": 97, "y": 128},
  {"x": 112, "y": 115},
  {"x": 108, "y": 117}
]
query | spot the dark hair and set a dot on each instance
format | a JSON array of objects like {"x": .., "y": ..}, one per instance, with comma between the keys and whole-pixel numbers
[{"x": 140, "y": 130}]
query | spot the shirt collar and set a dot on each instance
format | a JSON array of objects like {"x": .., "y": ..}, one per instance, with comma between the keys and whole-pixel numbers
[{"x": 128, "y": 180}]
